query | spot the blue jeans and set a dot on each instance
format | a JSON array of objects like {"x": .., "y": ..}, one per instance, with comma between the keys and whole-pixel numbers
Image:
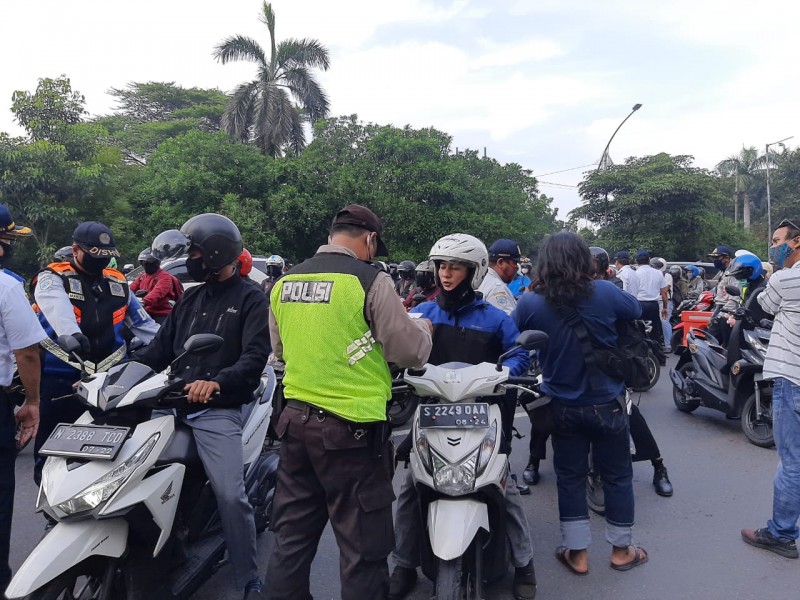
[
  {"x": 603, "y": 429},
  {"x": 786, "y": 428}
]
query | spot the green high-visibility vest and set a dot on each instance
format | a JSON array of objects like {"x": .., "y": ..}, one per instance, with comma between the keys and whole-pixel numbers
[{"x": 332, "y": 360}]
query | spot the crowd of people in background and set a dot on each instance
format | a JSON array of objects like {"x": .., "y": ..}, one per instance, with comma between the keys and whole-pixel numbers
[{"x": 463, "y": 291}]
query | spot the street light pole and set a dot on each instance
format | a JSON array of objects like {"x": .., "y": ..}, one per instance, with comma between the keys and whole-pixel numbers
[
  {"x": 604, "y": 156},
  {"x": 769, "y": 200}
]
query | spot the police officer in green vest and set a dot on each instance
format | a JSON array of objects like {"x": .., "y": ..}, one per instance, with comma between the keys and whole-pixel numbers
[{"x": 336, "y": 320}]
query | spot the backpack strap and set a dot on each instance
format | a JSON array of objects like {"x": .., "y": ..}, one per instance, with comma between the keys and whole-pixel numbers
[{"x": 573, "y": 319}]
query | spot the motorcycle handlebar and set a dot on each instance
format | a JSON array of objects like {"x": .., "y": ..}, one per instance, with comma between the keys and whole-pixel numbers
[
  {"x": 523, "y": 380},
  {"x": 181, "y": 400}
]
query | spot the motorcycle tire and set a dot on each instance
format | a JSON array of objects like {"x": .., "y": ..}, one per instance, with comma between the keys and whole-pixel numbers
[
  {"x": 81, "y": 582},
  {"x": 449, "y": 580},
  {"x": 759, "y": 433},
  {"x": 401, "y": 408},
  {"x": 684, "y": 404},
  {"x": 654, "y": 370}
]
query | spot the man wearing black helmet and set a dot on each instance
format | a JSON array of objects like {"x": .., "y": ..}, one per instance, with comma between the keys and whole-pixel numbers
[
  {"x": 406, "y": 273},
  {"x": 228, "y": 306},
  {"x": 724, "y": 305}
]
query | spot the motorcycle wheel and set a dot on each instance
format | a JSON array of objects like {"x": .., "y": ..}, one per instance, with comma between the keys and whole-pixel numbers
[
  {"x": 654, "y": 370},
  {"x": 449, "y": 575},
  {"x": 683, "y": 403},
  {"x": 81, "y": 582},
  {"x": 759, "y": 432},
  {"x": 401, "y": 407}
]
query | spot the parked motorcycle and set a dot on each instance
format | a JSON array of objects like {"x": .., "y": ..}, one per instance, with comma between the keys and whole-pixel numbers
[
  {"x": 690, "y": 315},
  {"x": 706, "y": 375},
  {"x": 134, "y": 514},
  {"x": 459, "y": 472}
]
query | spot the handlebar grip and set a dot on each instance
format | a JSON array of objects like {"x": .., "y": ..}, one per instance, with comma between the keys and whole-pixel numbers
[{"x": 523, "y": 380}]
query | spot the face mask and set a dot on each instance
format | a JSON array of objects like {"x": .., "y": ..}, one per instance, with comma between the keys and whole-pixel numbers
[
  {"x": 719, "y": 265},
  {"x": 8, "y": 252},
  {"x": 196, "y": 269},
  {"x": 93, "y": 265},
  {"x": 150, "y": 267},
  {"x": 779, "y": 254}
]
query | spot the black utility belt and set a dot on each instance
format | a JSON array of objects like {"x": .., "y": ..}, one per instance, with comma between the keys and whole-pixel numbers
[{"x": 315, "y": 410}]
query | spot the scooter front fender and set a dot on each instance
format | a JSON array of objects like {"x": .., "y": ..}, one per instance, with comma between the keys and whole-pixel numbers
[
  {"x": 453, "y": 524},
  {"x": 65, "y": 546}
]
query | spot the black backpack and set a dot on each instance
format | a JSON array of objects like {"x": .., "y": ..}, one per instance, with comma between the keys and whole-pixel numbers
[{"x": 627, "y": 362}]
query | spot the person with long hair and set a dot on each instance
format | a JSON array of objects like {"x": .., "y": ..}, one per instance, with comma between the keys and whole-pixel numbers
[{"x": 587, "y": 405}]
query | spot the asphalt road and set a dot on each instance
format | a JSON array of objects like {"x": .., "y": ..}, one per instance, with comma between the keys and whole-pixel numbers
[{"x": 722, "y": 484}]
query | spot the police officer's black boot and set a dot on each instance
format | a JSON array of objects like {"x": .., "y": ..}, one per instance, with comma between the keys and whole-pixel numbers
[
  {"x": 660, "y": 478},
  {"x": 401, "y": 582},
  {"x": 524, "y": 582},
  {"x": 531, "y": 473}
]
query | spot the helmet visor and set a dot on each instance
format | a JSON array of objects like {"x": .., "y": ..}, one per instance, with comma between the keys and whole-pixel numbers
[{"x": 170, "y": 244}]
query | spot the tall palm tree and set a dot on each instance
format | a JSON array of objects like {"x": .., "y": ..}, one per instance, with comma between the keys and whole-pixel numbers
[
  {"x": 261, "y": 111},
  {"x": 747, "y": 167}
]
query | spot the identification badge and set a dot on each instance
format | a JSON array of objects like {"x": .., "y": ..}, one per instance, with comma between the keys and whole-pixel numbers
[
  {"x": 75, "y": 286},
  {"x": 73, "y": 296},
  {"x": 117, "y": 289}
]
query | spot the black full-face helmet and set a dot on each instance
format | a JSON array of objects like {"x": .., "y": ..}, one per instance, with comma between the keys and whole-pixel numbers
[{"x": 407, "y": 269}]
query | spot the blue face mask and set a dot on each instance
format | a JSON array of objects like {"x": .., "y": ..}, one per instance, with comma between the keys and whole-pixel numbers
[{"x": 779, "y": 254}]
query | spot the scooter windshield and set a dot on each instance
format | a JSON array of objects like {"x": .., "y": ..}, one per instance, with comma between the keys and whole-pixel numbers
[{"x": 121, "y": 379}]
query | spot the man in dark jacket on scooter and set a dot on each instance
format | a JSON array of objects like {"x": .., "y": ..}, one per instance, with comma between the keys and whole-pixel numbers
[{"x": 237, "y": 311}]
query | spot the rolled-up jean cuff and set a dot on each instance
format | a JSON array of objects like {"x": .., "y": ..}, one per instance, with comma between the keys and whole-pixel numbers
[
  {"x": 620, "y": 536},
  {"x": 576, "y": 535}
]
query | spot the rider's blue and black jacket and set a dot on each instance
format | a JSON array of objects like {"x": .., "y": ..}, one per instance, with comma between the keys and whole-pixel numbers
[{"x": 474, "y": 333}]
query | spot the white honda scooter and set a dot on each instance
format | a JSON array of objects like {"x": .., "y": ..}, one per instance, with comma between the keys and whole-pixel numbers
[
  {"x": 460, "y": 474},
  {"x": 134, "y": 514}
]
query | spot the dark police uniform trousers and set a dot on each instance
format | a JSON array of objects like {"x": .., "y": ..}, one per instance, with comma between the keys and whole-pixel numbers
[{"x": 328, "y": 467}]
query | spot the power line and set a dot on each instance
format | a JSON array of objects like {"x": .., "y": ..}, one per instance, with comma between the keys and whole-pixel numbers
[
  {"x": 565, "y": 170},
  {"x": 559, "y": 185}
]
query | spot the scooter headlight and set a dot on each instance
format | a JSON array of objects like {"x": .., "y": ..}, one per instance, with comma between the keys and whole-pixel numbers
[
  {"x": 457, "y": 479},
  {"x": 102, "y": 489},
  {"x": 487, "y": 448}
]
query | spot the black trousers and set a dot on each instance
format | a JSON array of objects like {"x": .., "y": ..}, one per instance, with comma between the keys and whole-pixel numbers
[
  {"x": 52, "y": 412},
  {"x": 8, "y": 454},
  {"x": 542, "y": 425},
  {"x": 651, "y": 313},
  {"x": 328, "y": 471}
]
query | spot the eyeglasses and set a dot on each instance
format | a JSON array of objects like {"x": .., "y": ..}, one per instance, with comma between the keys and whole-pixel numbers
[{"x": 788, "y": 223}]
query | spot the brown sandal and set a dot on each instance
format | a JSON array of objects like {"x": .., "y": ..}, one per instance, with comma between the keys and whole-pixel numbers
[
  {"x": 561, "y": 555},
  {"x": 639, "y": 558}
]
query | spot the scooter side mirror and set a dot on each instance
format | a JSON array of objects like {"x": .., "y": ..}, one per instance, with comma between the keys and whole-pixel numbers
[
  {"x": 69, "y": 344},
  {"x": 203, "y": 343},
  {"x": 529, "y": 340},
  {"x": 532, "y": 339},
  {"x": 733, "y": 290}
]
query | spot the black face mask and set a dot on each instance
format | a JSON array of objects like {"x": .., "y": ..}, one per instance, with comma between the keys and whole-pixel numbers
[
  {"x": 197, "y": 270},
  {"x": 459, "y": 296},
  {"x": 8, "y": 253},
  {"x": 150, "y": 267},
  {"x": 92, "y": 265}
]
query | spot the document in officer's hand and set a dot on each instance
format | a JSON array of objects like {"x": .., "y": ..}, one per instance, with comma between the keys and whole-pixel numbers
[{"x": 414, "y": 315}]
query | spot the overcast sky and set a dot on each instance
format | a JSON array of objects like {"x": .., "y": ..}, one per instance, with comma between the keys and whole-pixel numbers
[{"x": 543, "y": 83}]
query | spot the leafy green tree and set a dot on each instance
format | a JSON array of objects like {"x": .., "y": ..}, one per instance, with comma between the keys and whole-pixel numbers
[
  {"x": 150, "y": 113},
  {"x": 46, "y": 113},
  {"x": 661, "y": 203},
  {"x": 785, "y": 186},
  {"x": 262, "y": 110},
  {"x": 61, "y": 174}
]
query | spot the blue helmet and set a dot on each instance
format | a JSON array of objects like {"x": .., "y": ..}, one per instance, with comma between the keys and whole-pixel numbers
[
  {"x": 692, "y": 271},
  {"x": 746, "y": 266}
]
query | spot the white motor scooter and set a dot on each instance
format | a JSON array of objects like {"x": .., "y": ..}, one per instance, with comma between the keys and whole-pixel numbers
[
  {"x": 460, "y": 474},
  {"x": 134, "y": 514}
]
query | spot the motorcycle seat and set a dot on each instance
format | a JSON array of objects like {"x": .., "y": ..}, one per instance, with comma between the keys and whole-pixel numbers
[{"x": 181, "y": 448}]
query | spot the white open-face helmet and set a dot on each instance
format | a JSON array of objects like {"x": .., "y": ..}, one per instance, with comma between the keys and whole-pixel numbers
[
  {"x": 275, "y": 261},
  {"x": 462, "y": 248}
]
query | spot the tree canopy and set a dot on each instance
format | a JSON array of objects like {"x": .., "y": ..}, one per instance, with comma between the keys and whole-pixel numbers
[{"x": 661, "y": 203}]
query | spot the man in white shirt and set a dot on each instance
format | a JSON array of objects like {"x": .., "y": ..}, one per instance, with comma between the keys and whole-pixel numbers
[
  {"x": 504, "y": 257},
  {"x": 782, "y": 298},
  {"x": 652, "y": 287},
  {"x": 625, "y": 273},
  {"x": 20, "y": 334}
]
